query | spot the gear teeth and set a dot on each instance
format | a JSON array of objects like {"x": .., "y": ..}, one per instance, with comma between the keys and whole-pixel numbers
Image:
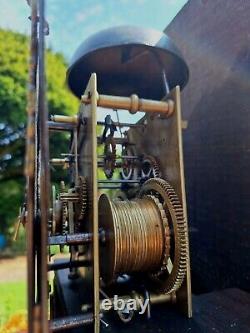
[
  {"x": 64, "y": 217},
  {"x": 178, "y": 273},
  {"x": 155, "y": 169},
  {"x": 165, "y": 226},
  {"x": 127, "y": 171},
  {"x": 82, "y": 197},
  {"x": 64, "y": 210},
  {"x": 109, "y": 157}
]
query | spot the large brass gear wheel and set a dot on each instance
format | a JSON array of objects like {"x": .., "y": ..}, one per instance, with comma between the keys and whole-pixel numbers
[{"x": 174, "y": 270}]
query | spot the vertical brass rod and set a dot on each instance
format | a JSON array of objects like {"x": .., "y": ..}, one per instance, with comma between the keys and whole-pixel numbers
[
  {"x": 44, "y": 170},
  {"x": 96, "y": 276},
  {"x": 30, "y": 165}
]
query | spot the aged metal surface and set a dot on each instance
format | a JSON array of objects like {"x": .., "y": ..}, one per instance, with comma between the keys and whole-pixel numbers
[
  {"x": 135, "y": 236},
  {"x": 56, "y": 126},
  {"x": 133, "y": 104},
  {"x": 30, "y": 159},
  {"x": 37, "y": 173},
  {"x": 167, "y": 147},
  {"x": 175, "y": 265},
  {"x": 68, "y": 264},
  {"x": 71, "y": 239},
  {"x": 124, "y": 58},
  {"x": 71, "y": 322},
  {"x": 44, "y": 175},
  {"x": 87, "y": 148}
]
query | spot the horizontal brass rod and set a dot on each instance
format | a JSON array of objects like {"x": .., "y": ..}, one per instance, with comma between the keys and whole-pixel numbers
[
  {"x": 62, "y": 264},
  {"x": 117, "y": 141},
  {"x": 75, "y": 239},
  {"x": 105, "y": 187},
  {"x": 71, "y": 239},
  {"x": 102, "y": 123},
  {"x": 124, "y": 157},
  {"x": 132, "y": 104},
  {"x": 117, "y": 181},
  {"x": 70, "y": 322},
  {"x": 58, "y": 127},
  {"x": 100, "y": 164},
  {"x": 64, "y": 119},
  {"x": 60, "y": 161}
]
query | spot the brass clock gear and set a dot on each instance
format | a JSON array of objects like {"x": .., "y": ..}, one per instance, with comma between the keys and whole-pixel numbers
[
  {"x": 173, "y": 270},
  {"x": 127, "y": 164},
  {"x": 81, "y": 205},
  {"x": 150, "y": 167},
  {"x": 109, "y": 156},
  {"x": 64, "y": 211},
  {"x": 165, "y": 225}
]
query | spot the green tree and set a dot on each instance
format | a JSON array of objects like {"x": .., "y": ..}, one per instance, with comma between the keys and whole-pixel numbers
[{"x": 14, "y": 53}]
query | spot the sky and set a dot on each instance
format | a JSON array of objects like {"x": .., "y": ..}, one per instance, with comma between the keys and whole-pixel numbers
[{"x": 71, "y": 21}]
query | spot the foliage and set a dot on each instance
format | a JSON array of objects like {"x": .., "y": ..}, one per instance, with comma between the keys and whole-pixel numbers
[
  {"x": 16, "y": 324},
  {"x": 14, "y": 52},
  {"x": 13, "y": 300}
]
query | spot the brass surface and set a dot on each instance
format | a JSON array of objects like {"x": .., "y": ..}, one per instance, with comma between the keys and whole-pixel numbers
[
  {"x": 135, "y": 236},
  {"x": 81, "y": 206},
  {"x": 172, "y": 277},
  {"x": 87, "y": 161},
  {"x": 168, "y": 149},
  {"x": 150, "y": 167},
  {"x": 133, "y": 104}
]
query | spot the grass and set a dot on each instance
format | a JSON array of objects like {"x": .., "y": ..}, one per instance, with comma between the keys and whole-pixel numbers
[{"x": 12, "y": 299}]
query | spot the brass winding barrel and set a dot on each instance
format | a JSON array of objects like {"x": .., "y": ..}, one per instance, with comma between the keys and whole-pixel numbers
[{"x": 135, "y": 236}]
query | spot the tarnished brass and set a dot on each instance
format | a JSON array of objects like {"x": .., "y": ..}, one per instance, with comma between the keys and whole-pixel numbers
[
  {"x": 60, "y": 162},
  {"x": 135, "y": 236},
  {"x": 132, "y": 104},
  {"x": 64, "y": 119},
  {"x": 167, "y": 147},
  {"x": 138, "y": 235}
]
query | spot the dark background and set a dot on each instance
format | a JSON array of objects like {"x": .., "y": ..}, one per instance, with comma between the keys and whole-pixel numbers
[{"x": 214, "y": 37}]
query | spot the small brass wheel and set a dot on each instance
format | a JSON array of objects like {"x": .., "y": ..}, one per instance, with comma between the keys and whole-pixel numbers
[
  {"x": 150, "y": 167},
  {"x": 109, "y": 156},
  {"x": 127, "y": 164}
]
